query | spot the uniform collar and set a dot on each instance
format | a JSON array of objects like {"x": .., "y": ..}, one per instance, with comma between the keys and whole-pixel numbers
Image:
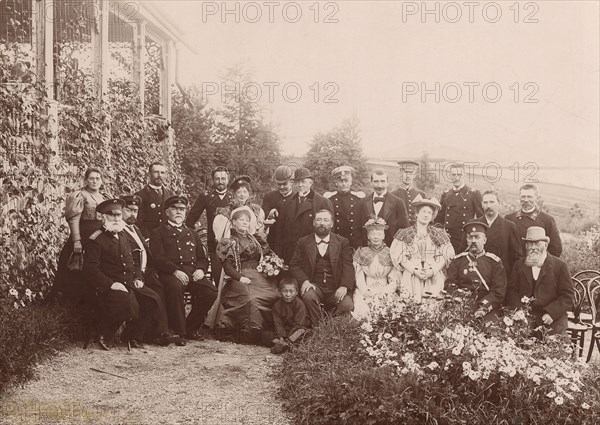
[
  {"x": 155, "y": 187},
  {"x": 461, "y": 187},
  {"x": 177, "y": 226},
  {"x": 531, "y": 214}
]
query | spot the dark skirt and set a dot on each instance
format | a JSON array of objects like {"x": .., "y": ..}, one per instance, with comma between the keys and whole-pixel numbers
[{"x": 71, "y": 284}]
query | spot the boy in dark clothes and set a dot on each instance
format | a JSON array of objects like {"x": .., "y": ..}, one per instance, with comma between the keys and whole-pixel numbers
[{"x": 289, "y": 316}]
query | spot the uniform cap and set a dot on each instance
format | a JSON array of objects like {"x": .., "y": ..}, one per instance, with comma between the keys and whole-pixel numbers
[
  {"x": 342, "y": 170},
  {"x": 475, "y": 226},
  {"x": 408, "y": 162},
  {"x": 176, "y": 200},
  {"x": 111, "y": 206},
  {"x": 131, "y": 200}
]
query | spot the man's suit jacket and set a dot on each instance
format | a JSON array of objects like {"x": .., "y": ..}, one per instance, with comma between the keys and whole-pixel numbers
[
  {"x": 297, "y": 220},
  {"x": 503, "y": 240},
  {"x": 302, "y": 266},
  {"x": 151, "y": 212},
  {"x": 537, "y": 218},
  {"x": 393, "y": 211},
  {"x": 553, "y": 291},
  {"x": 275, "y": 200}
]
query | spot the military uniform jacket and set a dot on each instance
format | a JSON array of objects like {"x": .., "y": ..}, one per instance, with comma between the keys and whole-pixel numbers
[
  {"x": 393, "y": 211},
  {"x": 177, "y": 249},
  {"x": 346, "y": 220},
  {"x": 408, "y": 196},
  {"x": 275, "y": 200},
  {"x": 108, "y": 259},
  {"x": 462, "y": 272},
  {"x": 537, "y": 218},
  {"x": 136, "y": 249},
  {"x": 504, "y": 241},
  {"x": 151, "y": 212},
  {"x": 458, "y": 207},
  {"x": 208, "y": 201}
]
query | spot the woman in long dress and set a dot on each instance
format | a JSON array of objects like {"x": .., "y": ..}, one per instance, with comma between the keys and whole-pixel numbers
[
  {"x": 422, "y": 252},
  {"x": 242, "y": 192},
  {"x": 245, "y": 294},
  {"x": 80, "y": 214},
  {"x": 376, "y": 277}
]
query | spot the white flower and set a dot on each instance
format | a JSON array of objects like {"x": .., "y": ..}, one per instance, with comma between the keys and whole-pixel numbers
[
  {"x": 22, "y": 303},
  {"x": 14, "y": 292},
  {"x": 508, "y": 321},
  {"x": 466, "y": 366},
  {"x": 527, "y": 300},
  {"x": 433, "y": 366},
  {"x": 366, "y": 327},
  {"x": 559, "y": 400},
  {"x": 551, "y": 394},
  {"x": 394, "y": 339},
  {"x": 259, "y": 268},
  {"x": 585, "y": 406},
  {"x": 16, "y": 305},
  {"x": 387, "y": 335}
]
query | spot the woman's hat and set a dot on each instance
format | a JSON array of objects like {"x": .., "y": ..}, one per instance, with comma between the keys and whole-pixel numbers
[
  {"x": 375, "y": 223},
  {"x": 241, "y": 181},
  {"x": 535, "y": 234},
  {"x": 432, "y": 202},
  {"x": 240, "y": 209}
]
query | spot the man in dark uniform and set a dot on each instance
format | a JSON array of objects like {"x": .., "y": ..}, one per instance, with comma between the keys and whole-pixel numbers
[
  {"x": 158, "y": 332},
  {"x": 153, "y": 196},
  {"x": 345, "y": 202},
  {"x": 406, "y": 191},
  {"x": 120, "y": 292},
  {"x": 460, "y": 204},
  {"x": 274, "y": 202},
  {"x": 480, "y": 272},
  {"x": 299, "y": 212},
  {"x": 530, "y": 215},
  {"x": 382, "y": 203},
  {"x": 180, "y": 261},
  {"x": 502, "y": 235},
  {"x": 210, "y": 201}
]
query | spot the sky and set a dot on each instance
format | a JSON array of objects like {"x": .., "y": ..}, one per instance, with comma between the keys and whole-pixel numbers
[{"x": 483, "y": 81}]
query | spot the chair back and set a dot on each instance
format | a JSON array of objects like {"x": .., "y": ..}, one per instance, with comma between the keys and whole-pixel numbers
[
  {"x": 594, "y": 297},
  {"x": 580, "y": 296}
]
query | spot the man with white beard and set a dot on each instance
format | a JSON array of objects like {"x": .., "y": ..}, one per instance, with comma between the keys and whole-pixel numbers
[
  {"x": 546, "y": 279},
  {"x": 108, "y": 263}
]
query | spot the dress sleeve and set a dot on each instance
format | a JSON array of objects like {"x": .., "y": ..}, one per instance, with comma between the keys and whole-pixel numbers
[
  {"x": 73, "y": 211},
  {"x": 226, "y": 253},
  {"x": 221, "y": 227}
]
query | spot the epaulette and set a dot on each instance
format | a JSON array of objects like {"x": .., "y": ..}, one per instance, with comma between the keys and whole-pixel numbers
[
  {"x": 329, "y": 194},
  {"x": 493, "y": 256},
  {"x": 462, "y": 254},
  {"x": 359, "y": 194},
  {"x": 94, "y": 235}
]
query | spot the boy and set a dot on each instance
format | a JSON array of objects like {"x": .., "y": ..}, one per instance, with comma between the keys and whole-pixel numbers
[{"x": 289, "y": 315}]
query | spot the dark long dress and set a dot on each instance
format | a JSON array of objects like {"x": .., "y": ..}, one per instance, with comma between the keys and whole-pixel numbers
[
  {"x": 81, "y": 206},
  {"x": 246, "y": 307}
]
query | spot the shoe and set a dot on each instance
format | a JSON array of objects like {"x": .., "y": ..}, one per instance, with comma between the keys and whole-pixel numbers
[
  {"x": 134, "y": 343},
  {"x": 279, "y": 348},
  {"x": 181, "y": 342},
  {"x": 103, "y": 344},
  {"x": 197, "y": 335},
  {"x": 166, "y": 338}
]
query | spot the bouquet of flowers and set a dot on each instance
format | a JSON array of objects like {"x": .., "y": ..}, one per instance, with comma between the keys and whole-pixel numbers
[{"x": 271, "y": 265}]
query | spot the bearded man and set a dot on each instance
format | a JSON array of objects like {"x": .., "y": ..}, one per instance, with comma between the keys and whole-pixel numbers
[{"x": 546, "y": 279}]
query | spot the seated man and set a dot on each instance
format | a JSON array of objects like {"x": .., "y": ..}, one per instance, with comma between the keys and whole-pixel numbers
[
  {"x": 109, "y": 265},
  {"x": 323, "y": 263},
  {"x": 157, "y": 331},
  {"x": 480, "y": 272},
  {"x": 180, "y": 260},
  {"x": 544, "y": 277}
]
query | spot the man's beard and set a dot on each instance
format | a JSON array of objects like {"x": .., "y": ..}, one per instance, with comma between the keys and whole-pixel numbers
[
  {"x": 114, "y": 226},
  {"x": 534, "y": 258},
  {"x": 130, "y": 221},
  {"x": 322, "y": 231},
  {"x": 475, "y": 249},
  {"x": 177, "y": 219}
]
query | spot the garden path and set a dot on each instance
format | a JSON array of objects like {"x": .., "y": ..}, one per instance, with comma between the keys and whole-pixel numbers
[{"x": 208, "y": 382}]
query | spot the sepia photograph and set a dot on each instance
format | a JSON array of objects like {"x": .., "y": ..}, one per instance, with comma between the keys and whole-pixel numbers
[{"x": 301, "y": 212}]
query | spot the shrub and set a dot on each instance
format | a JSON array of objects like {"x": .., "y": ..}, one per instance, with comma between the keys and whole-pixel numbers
[
  {"x": 583, "y": 251},
  {"x": 28, "y": 335},
  {"x": 416, "y": 365}
]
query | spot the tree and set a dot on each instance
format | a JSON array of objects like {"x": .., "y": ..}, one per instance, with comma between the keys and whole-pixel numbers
[
  {"x": 251, "y": 145},
  {"x": 340, "y": 146},
  {"x": 425, "y": 179}
]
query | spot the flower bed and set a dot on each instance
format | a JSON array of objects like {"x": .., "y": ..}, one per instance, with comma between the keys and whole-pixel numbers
[{"x": 434, "y": 365}]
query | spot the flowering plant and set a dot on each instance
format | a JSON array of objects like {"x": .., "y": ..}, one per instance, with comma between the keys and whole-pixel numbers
[{"x": 271, "y": 265}]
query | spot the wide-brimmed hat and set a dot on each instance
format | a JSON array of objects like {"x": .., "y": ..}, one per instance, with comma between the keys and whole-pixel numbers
[
  {"x": 432, "y": 202},
  {"x": 535, "y": 234}
]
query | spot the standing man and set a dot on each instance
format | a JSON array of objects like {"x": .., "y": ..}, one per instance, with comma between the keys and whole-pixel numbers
[
  {"x": 111, "y": 271},
  {"x": 299, "y": 213},
  {"x": 158, "y": 331},
  {"x": 153, "y": 196},
  {"x": 210, "y": 201},
  {"x": 406, "y": 191},
  {"x": 480, "y": 272},
  {"x": 530, "y": 215},
  {"x": 382, "y": 204},
  {"x": 322, "y": 263},
  {"x": 345, "y": 206},
  {"x": 273, "y": 204},
  {"x": 502, "y": 235},
  {"x": 545, "y": 280},
  {"x": 460, "y": 204},
  {"x": 180, "y": 261}
]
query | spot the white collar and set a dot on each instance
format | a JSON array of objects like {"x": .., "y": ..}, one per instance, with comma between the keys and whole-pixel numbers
[
  {"x": 223, "y": 193},
  {"x": 456, "y": 189},
  {"x": 528, "y": 212},
  {"x": 326, "y": 238},
  {"x": 380, "y": 196},
  {"x": 175, "y": 225},
  {"x": 155, "y": 187}
]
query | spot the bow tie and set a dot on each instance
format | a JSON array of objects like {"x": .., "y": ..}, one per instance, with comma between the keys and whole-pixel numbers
[
  {"x": 322, "y": 241},
  {"x": 378, "y": 199}
]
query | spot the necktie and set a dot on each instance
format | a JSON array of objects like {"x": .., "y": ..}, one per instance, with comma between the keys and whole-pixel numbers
[
  {"x": 322, "y": 241},
  {"x": 378, "y": 199},
  {"x": 301, "y": 199}
]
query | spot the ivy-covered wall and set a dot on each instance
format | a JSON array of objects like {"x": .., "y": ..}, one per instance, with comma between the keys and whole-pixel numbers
[{"x": 43, "y": 155}]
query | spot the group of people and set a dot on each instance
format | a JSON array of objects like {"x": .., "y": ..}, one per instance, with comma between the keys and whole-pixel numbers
[{"x": 133, "y": 257}]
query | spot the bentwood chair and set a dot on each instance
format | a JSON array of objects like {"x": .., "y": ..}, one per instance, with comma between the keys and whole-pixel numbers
[
  {"x": 594, "y": 296},
  {"x": 577, "y": 327}
]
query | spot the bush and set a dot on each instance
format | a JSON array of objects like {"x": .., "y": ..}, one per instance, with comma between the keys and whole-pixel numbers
[
  {"x": 29, "y": 335},
  {"x": 438, "y": 367},
  {"x": 583, "y": 251}
]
